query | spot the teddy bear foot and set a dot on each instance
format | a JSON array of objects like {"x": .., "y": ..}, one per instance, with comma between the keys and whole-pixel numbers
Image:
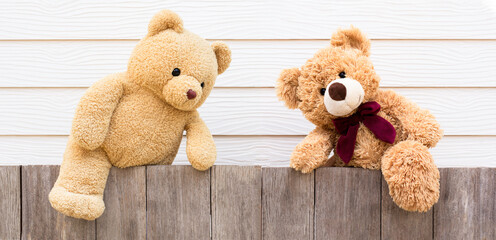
[
  {"x": 411, "y": 175},
  {"x": 76, "y": 205}
]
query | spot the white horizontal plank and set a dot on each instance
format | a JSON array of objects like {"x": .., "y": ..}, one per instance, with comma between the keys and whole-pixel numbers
[
  {"x": 237, "y": 19},
  {"x": 245, "y": 111},
  {"x": 274, "y": 151},
  {"x": 403, "y": 63}
]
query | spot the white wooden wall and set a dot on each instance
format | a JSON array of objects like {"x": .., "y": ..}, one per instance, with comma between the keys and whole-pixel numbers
[{"x": 440, "y": 53}]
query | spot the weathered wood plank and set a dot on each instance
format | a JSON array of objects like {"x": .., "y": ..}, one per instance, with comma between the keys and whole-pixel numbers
[
  {"x": 125, "y": 205},
  {"x": 178, "y": 203},
  {"x": 487, "y": 200},
  {"x": 39, "y": 219},
  {"x": 346, "y": 199},
  {"x": 288, "y": 204},
  {"x": 347, "y": 203},
  {"x": 236, "y": 202},
  {"x": 10, "y": 202},
  {"x": 397, "y": 223},
  {"x": 456, "y": 215}
]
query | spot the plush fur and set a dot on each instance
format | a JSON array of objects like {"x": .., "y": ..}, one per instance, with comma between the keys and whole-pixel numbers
[
  {"x": 407, "y": 165},
  {"x": 138, "y": 117}
]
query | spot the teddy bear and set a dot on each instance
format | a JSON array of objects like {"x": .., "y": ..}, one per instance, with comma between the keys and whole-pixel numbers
[
  {"x": 365, "y": 126},
  {"x": 138, "y": 117}
]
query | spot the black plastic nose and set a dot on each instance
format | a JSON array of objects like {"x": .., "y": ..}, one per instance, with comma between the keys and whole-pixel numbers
[
  {"x": 191, "y": 94},
  {"x": 337, "y": 91}
]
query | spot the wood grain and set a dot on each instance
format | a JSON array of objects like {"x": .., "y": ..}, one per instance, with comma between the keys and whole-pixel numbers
[
  {"x": 238, "y": 19},
  {"x": 125, "y": 205},
  {"x": 10, "y": 202},
  {"x": 457, "y": 214},
  {"x": 288, "y": 204},
  {"x": 236, "y": 202},
  {"x": 347, "y": 203},
  {"x": 271, "y": 151},
  {"x": 487, "y": 221},
  {"x": 39, "y": 219},
  {"x": 178, "y": 203},
  {"x": 244, "y": 111},
  {"x": 406, "y": 63},
  {"x": 397, "y": 223}
]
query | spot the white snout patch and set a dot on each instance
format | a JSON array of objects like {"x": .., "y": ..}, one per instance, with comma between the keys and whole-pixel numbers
[{"x": 353, "y": 99}]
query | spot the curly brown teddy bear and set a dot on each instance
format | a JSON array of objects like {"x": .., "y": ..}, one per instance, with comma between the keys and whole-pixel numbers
[
  {"x": 338, "y": 90},
  {"x": 138, "y": 117}
]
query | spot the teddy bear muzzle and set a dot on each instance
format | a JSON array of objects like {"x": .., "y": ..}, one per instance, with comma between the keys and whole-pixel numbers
[
  {"x": 343, "y": 96},
  {"x": 183, "y": 92}
]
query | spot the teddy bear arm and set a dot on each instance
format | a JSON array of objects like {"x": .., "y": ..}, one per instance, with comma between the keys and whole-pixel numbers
[
  {"x": 424, "y": 128},
  {"x": 313, "y": 151},
  {"x": 417, "y": 124},
  {"x": 94, "y": 111},
  {"x": 200, "y": 145}
]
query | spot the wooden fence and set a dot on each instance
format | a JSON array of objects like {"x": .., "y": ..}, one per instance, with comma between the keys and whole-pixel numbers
[{"x": 245, "y": 202}]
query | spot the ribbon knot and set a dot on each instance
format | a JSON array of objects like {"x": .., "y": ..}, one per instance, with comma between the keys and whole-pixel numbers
[{"x": 348, "y": 129}]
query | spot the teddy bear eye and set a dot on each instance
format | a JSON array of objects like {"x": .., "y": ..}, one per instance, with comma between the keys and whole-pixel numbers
[
  {"x": 202, "y": 84},
  {"x": 342, "y": 74},
  {"x": 322, "y": 91},
  {"x": 176, "y": 72}
]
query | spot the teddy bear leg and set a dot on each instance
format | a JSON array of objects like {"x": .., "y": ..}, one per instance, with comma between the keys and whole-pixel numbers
[
  {"x": 78, "y": 191},
  {"x": 411, "y": 175}
]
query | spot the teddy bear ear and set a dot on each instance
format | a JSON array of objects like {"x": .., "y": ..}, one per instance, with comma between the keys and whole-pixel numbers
[
  {"x": 286, "y": 87},
  {"x": 351, "y": 38},
  {"x": 163, "y": 20},
  {"x": 223, "y": 55}
]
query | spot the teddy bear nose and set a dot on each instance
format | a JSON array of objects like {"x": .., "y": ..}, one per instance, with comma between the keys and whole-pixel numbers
[
  {"x": 191, "y": 94},
  {"x": 337, "y": 91}
]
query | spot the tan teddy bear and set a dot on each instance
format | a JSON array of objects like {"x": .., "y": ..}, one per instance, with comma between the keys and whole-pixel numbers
[
  {"x": 138, "y": 117},
  {"x": 338, "y": 90}
]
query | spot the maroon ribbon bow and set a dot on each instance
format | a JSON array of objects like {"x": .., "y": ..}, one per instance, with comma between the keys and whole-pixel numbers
[{"x": 348, "y": 128}]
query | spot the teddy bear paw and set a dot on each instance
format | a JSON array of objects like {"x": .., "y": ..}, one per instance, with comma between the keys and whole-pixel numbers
[
  {"x": 76, "y": 205},
  {"x": 202, "y": 166},
  {"x": 412, "y": 176},
  {"x": 416, "y": 199},
  {"x": 303, "y": 166}
]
